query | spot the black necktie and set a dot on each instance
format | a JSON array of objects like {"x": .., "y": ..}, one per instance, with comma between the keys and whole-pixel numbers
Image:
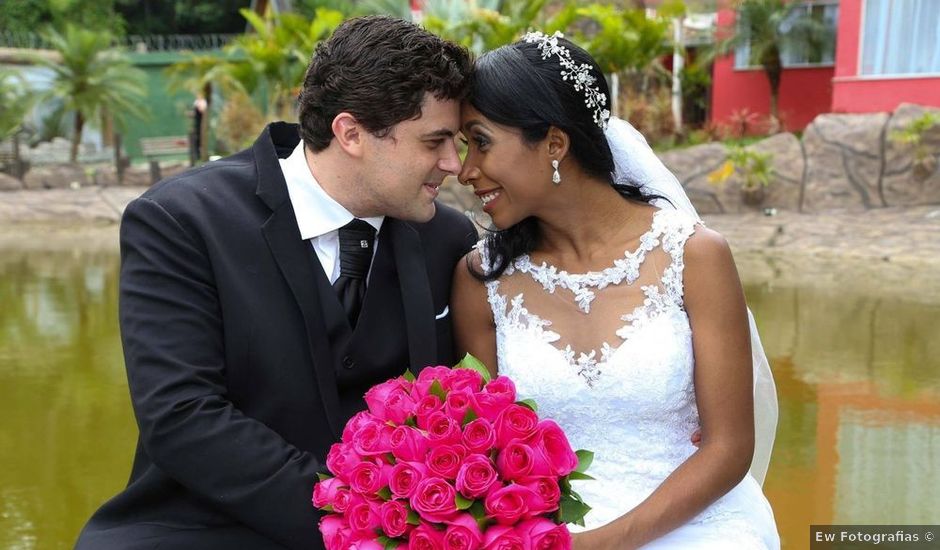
[{"x": 356, "y": 239}]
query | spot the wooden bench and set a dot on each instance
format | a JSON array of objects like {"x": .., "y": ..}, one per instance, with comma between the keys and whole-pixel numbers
[{"x": 154, "y": 147}]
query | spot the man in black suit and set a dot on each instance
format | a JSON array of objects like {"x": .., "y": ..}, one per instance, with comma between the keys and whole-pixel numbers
[{"x": 262, "y": 294}]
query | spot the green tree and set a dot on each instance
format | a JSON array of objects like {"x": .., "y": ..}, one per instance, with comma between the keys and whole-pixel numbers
[
  {"x": 91, "y": 77},
  {"x": 768, "y": 28},
  {"x": 19, "y": 15},
  {"x": 17, "y": 100}
]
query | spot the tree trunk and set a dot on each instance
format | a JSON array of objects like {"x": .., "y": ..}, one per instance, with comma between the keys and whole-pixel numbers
[
  {"x": 76, "y": 137},
  {"x": 773, "y": 68},
  {"x": 204, "y": 124},
  {"x": 677, "y": 61},
  {"x": 615, "y": 94}
]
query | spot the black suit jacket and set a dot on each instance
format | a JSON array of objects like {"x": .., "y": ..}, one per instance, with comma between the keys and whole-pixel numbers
[{"x": 232, "y": 374}]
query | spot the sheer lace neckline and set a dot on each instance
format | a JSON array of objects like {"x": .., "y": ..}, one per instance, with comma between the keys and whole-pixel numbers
[{"x": 584, "y": 285}]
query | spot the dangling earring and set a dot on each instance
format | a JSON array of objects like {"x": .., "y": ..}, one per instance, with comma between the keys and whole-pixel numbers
[{"x": 556, "y": 177}]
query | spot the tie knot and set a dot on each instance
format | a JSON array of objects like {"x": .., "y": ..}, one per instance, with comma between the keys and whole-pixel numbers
[{"x": 356, "y": 239}]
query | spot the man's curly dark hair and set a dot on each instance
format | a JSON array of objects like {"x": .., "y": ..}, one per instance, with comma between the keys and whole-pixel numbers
[{"x": 378, "y": 69}]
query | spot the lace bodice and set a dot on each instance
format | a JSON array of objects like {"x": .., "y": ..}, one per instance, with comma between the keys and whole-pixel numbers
[{"x": 608, "y": 355}]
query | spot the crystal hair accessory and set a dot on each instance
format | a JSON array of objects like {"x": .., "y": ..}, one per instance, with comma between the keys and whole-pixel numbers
[{"x": 579, "y": 75}]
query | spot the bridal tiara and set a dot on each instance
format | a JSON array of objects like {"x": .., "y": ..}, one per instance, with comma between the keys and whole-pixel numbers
[{"x": 579, "y": 75}]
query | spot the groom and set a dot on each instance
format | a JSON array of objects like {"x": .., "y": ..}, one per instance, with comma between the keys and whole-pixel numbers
[{"x": 262, "y": 294}]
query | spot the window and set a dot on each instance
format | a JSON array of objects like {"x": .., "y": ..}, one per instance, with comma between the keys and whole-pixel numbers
[
  {"x": 901, "y": 37},
  {"x": 798, "y": 49}
]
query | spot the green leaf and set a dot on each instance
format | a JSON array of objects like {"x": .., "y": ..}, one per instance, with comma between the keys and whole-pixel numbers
[
  {"x": 577, "y": 476},
  {"x": 471, "y": 362},
  {"x": 324, "y": 477},
  {"x": 468, "y": 417},
  {"x": 585, "y": 458},
  {"x": 572, "y": 511},
  {"x": 413, "y": 517},
  {"x": 392, "y": 544},
  {"x": 463, "y": 503},
  {"x": 385, "y": 493},
  {"x": 479, "y": 514},
  {"x": 438, "y": 390},
  {"x": 409, "y": 376},
  {"x": 411, "y": 421},
  {"x": 530, "y": 403}
]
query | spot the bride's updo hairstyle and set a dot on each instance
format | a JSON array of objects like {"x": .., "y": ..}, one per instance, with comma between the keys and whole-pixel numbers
[{"x": 513, "y": 86}]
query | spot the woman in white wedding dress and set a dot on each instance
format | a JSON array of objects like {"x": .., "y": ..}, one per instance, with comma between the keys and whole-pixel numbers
[{"x": 618, "y": 312}]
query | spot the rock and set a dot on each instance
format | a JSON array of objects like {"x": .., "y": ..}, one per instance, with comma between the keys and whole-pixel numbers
[
  {"x": 904, "y": 182},
  {"x": 9, "y": 183},
  {"x": 137, "y": 176},
  {"x": 692, "y": 167},
  {"x": 105, "y": 176},
  {"x": 844, "y": 162},
  {"x": 56, "y": 176},
  {"x": 787, "y": 159}
]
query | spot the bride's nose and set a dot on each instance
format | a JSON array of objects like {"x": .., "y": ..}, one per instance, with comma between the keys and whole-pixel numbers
[{"x": 468, "y": 172}]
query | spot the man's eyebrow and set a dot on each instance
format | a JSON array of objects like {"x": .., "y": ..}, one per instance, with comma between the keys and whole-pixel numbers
[{"x": 442, "y": 133}]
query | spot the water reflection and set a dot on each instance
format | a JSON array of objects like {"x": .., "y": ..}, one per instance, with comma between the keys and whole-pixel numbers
[
  {"x": 67, "y": 434},
  {"x": 859, "y": 380},
  {"x": 858, "y": 375}
]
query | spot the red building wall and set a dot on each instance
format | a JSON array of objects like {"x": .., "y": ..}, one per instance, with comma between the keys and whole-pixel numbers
[
  {"x": 804, "y": 92},
  {"x": 852, "y": 93}
]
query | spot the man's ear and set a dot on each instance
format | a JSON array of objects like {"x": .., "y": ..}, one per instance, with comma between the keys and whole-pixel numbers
[
  {"x": 349, "y": 134},
  {"x": 557, "y": 142}
]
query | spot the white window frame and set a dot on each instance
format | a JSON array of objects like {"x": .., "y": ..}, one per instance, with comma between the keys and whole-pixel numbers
[{"x": 820, "y": 65}]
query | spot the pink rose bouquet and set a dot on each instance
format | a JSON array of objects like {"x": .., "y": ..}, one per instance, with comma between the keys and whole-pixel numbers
[{"x": 450, "y": 460}]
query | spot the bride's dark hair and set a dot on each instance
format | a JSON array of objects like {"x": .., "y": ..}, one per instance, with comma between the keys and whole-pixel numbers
[{"x": 513, "y": 86}]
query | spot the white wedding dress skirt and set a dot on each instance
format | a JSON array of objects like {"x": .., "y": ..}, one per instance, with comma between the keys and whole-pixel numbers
[{"x": 632, "y": 403}]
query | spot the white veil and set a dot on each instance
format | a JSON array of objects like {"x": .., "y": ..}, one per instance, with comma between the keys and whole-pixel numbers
[{"x": 636, "y": 163}]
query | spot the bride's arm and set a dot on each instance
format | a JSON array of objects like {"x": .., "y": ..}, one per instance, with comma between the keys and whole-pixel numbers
[
  {"x": 474, "y": 331},
  {"x": 717, "y": 313}
]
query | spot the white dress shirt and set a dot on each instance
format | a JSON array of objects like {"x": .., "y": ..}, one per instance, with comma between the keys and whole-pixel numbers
[{"x": 319, "y": 217}]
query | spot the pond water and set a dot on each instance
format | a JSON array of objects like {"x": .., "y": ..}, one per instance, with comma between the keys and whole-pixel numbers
[{"x": 858, "y": 375}]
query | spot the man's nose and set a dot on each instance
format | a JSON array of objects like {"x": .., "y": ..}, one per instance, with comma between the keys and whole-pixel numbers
[{"x": 450, "y": 162}]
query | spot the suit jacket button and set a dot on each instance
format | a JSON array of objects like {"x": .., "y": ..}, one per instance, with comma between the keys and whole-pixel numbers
[{"x": 348, "y": 362}]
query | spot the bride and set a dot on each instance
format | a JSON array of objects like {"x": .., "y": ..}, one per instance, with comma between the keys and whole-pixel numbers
[{"x": 604, "y": 297}]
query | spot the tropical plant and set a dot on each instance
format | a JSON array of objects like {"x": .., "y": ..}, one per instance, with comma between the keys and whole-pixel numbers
[
  {"x": 199, "y": 74},
  {"x": 17, "y": 100},
  {"x": 913, "y": 134},
  {"x": 768, "y": 28},
  {"x": 755, "y": 168},
  {"x": 91, "y": 78},
  {"x": 277, "y": 53}
]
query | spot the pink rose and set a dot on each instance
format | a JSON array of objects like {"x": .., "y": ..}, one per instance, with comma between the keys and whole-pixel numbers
[
  {"x": 550, "y": 441},
  {"x": 461, "y": 379},
  {"x": 363, "y": 517},
  {"x": 359, "y": 420},
  {"x": 394, "y": 517},
  {"x": 544, "y": 534},
  {"x": 342, "y": 500},
  {"x": 501, "y": 537},
  {"x": 547, "y": 488},
  {"x": 372, "y": 439},
  {"x": 425, "y": 407},
  {"x": 404, "y": 478},
  {"x": 444, "y": 460},
  {"x": 367, "y": 478},
  {"x": 425, "y": 537},
  {"x": 511, "y": 503},
  {"x": 341, "y": 459},
  {"x": 335, "y": 532},
  {"x": 479, "y": 436},
  {"x": 476, "y": 476},
  {"x": 463, "y": 533},
  {"x": 457, "y": 403},
  {"x": 515, "y": 422},
  {"x": 442, "y": 429},
  {"x": 324, "y": 492},
  {"x": 496, "y": 396},
  {"x": 391, "y": 400},
  {"x": 426, "y": 377},
  {"x": 516, "y": 461},
  {"x": 434, "y": 499},
  {"x": 366, "y": 544},
  {"x": 408, "y": 443}
]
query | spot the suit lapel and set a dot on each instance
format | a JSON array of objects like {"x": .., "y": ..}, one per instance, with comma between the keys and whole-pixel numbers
[
  {"x": 292, "y": 256},
  {"x": 415, "y": 293}
]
